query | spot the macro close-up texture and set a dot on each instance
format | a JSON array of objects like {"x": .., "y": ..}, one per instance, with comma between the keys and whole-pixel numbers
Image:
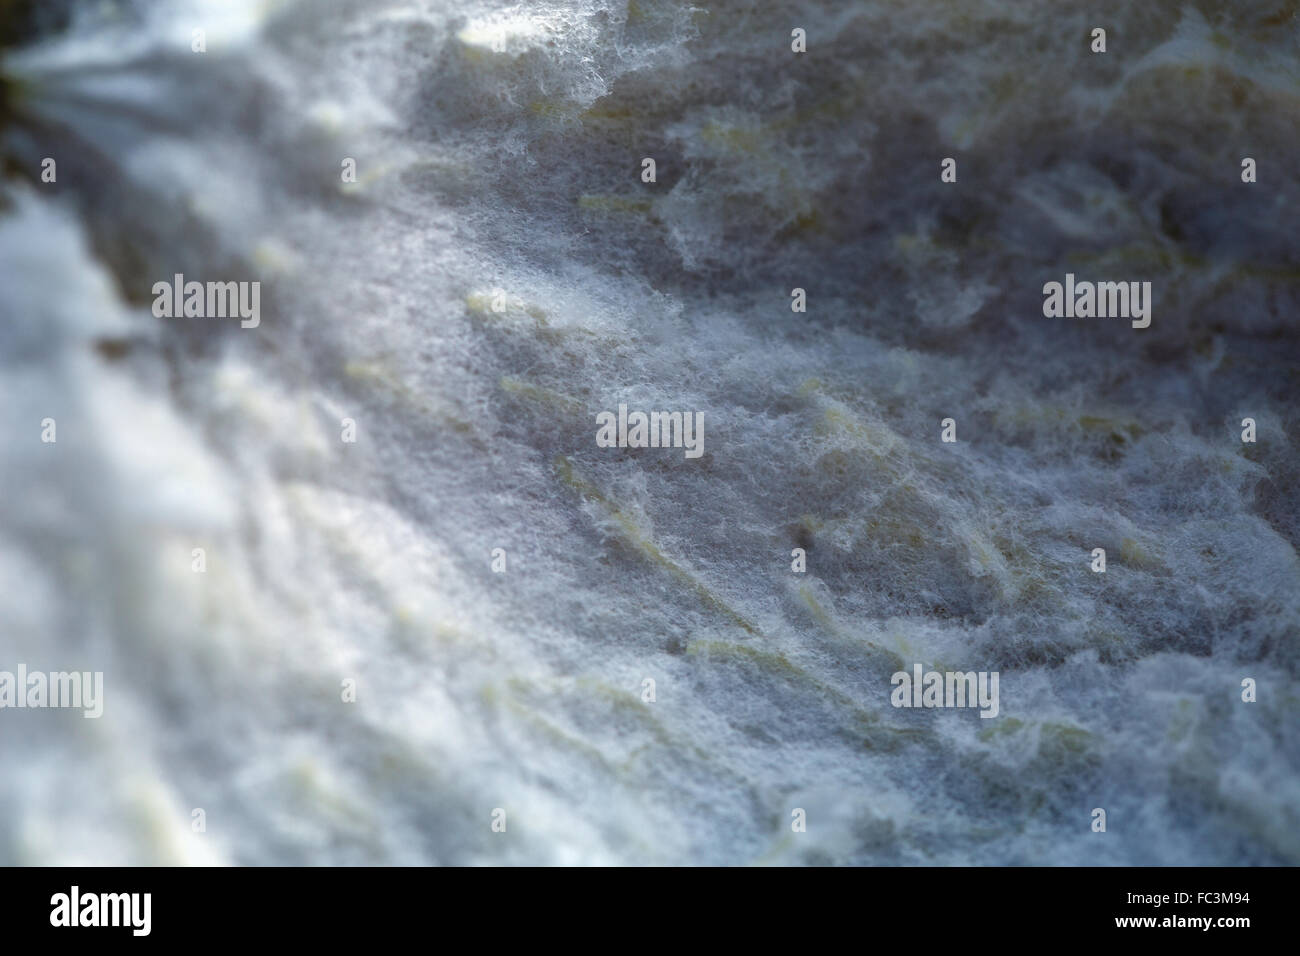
[{"x": 362, "y": 582}]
